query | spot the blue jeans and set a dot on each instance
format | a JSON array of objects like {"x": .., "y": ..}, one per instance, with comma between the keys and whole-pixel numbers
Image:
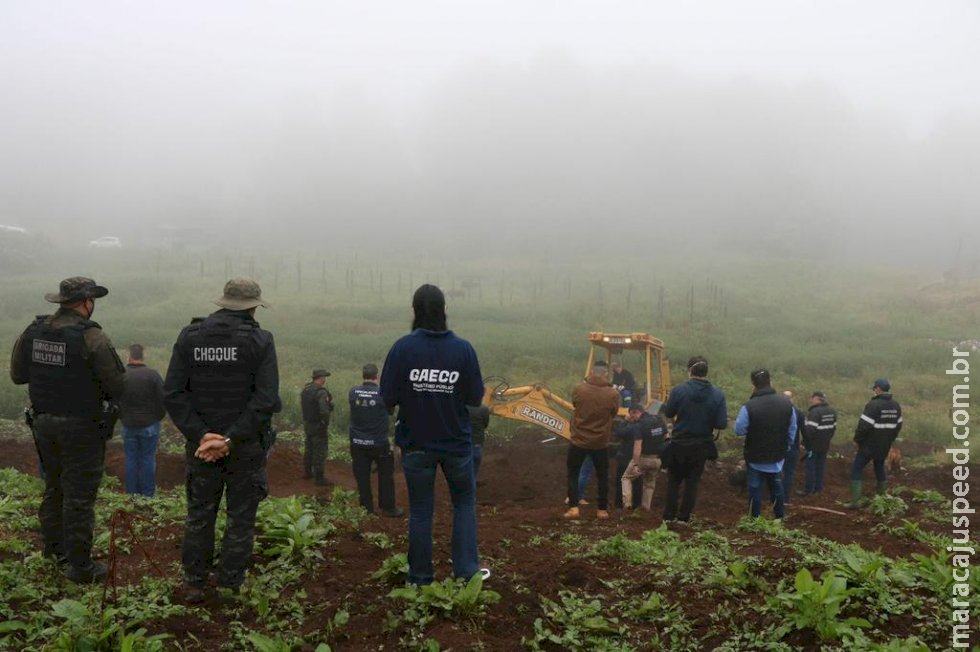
[
  {"x": 140, "y": 446},
  {"x": 588, "y": 468},
  {"x": 815, "y": 465},
  {"x": 477, "y": 458},
  {"x": 755, "y": 479},
  {"x": 789, "y": 472},
  {"x": 861, "y": 460},
  {"x": 420, "y": 475}
]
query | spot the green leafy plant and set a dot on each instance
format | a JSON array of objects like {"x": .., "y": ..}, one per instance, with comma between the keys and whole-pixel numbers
[
  {"x": 817, "y": 606},
  {"x": 265, "y": 643},
  {"x": 734, "y": 577},
  {"x": 910, "y": 644},
  {"x": 928, "y": 497},
  {"x": 78, "y": 628},
  {"x": 451, "y": 597},
  {"x": 378, "y": 539},
  {"x": 576, "y": 623},
  {"x": 674, "y": 631},
  {"x": 876, "y": 580},
  {"x": 394, "y": 569},
  {"x": 689, "y": 560},
  {"x": 887, "y": 505},
  {"x": 289, "y": 528}
]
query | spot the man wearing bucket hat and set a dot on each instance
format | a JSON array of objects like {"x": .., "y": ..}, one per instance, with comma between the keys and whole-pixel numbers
[
  {"x": 877, "y": 428},
  {"x": 317, "y": 404},
  {"x": 72, "y": 371},
  {"x": 221, "y": 390}
]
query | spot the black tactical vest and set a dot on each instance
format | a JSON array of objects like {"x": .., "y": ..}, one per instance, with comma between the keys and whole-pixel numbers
[
  {"x": 654, "y": 429},
  {"x": 220, "y": 352},
  {"x": 62, "y": 382},
  {"x": 309, "y": 402},
  {"x": 769, "y": 418},
  {"x": 368, "y": 416}
]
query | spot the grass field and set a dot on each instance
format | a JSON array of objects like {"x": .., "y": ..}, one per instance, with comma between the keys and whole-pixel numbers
[
  {"x": 328, "y": 577},
  {"x": 827, "y": 327}
]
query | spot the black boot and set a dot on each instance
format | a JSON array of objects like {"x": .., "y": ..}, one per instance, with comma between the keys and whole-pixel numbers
[{"x": 89, "y": 574}]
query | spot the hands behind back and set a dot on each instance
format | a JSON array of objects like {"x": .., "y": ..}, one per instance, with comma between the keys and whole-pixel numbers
[{"x": 213, "y": 447}]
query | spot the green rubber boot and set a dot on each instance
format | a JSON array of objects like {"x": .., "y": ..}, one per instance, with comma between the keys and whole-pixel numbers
[
  {"x": 857, "y": 487},
  {"x": 880, "y": 488}
]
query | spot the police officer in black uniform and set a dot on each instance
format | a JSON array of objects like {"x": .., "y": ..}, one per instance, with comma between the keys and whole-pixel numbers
[
  {"x": 369, "y": 443},
  {"x": 877, "y": 428},
  {"x": 221, "y": 390},
  {"x": 73, "y": 373},
  {"x": 317, "y": 404}
]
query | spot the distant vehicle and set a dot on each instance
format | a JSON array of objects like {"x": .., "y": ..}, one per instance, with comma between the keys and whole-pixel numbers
[
  {"x": 106, "y": 242},
  {"x": 13, "y": 229}
]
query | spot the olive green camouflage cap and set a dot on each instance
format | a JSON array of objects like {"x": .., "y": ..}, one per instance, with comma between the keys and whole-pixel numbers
[
  {"x": 320, "y": 373},
  {"x": 241, "y": 294},
  {"x": 76, "y": 288}
]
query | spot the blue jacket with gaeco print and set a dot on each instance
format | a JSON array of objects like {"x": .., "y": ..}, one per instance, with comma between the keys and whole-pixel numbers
[{"x": 431, "y": 376}]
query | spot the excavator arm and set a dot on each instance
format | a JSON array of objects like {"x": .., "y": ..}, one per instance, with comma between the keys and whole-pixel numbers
[
  {"x": 537, "y": 405},
  {"x": 533, "y": 404}
]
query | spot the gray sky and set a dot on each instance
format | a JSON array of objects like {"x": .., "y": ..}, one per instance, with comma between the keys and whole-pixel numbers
[
  {"x": 913, "y": 60},
  {"x": 203, "y": 111}
]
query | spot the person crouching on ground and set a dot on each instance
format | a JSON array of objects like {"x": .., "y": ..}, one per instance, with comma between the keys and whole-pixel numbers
[
  {"x": 595, "y": 403},
  {"x": 649, "y": 431},
  {"x": 431, "y": 375},
  {"x": 768, "y": 423}
]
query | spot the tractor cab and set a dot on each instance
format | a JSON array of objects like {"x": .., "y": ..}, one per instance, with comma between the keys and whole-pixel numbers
[{"x": 641, "y": 356}]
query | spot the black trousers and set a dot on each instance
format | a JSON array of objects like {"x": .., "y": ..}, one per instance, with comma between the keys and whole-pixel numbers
[
  {"x": 241, "y": 477},
  {"x": 362, "y": 457},
  {"x": 600, "y": 458},
  {"x": 686, "y": 467},
  {"x": 73, "y": 455}
]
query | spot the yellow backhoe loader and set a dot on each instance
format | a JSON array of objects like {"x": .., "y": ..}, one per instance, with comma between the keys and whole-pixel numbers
[{"x": 538, "y": 405}]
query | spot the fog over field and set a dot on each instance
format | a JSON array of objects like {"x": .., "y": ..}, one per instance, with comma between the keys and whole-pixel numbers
[{"x": 824, "y": 130}]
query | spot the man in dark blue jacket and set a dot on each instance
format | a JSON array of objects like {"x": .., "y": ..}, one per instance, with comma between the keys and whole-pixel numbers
[
  {"x": 698, "y": 408},
  {"x": 369, "y": 443},
  {"x": 431, "y": 375}
]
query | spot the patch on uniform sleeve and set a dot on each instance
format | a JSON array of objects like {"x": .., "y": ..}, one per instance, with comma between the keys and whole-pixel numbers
[{"x": 50, "y": 353}]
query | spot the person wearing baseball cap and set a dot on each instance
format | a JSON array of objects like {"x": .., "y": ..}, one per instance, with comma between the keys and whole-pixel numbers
[
  {"x": 221, "y": 390},
  {"x": 818, "y": 429},
  {"x": 877, "y": 428},
  {"x": 316, "y": 403},
  {"x": 72, "y": 371}
]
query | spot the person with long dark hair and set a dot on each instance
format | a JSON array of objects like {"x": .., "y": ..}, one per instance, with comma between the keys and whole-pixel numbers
[{"x": 431, "y": 375}]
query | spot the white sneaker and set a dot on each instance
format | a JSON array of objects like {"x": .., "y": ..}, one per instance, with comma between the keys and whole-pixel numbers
[{"x": 485, "y": 574}]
